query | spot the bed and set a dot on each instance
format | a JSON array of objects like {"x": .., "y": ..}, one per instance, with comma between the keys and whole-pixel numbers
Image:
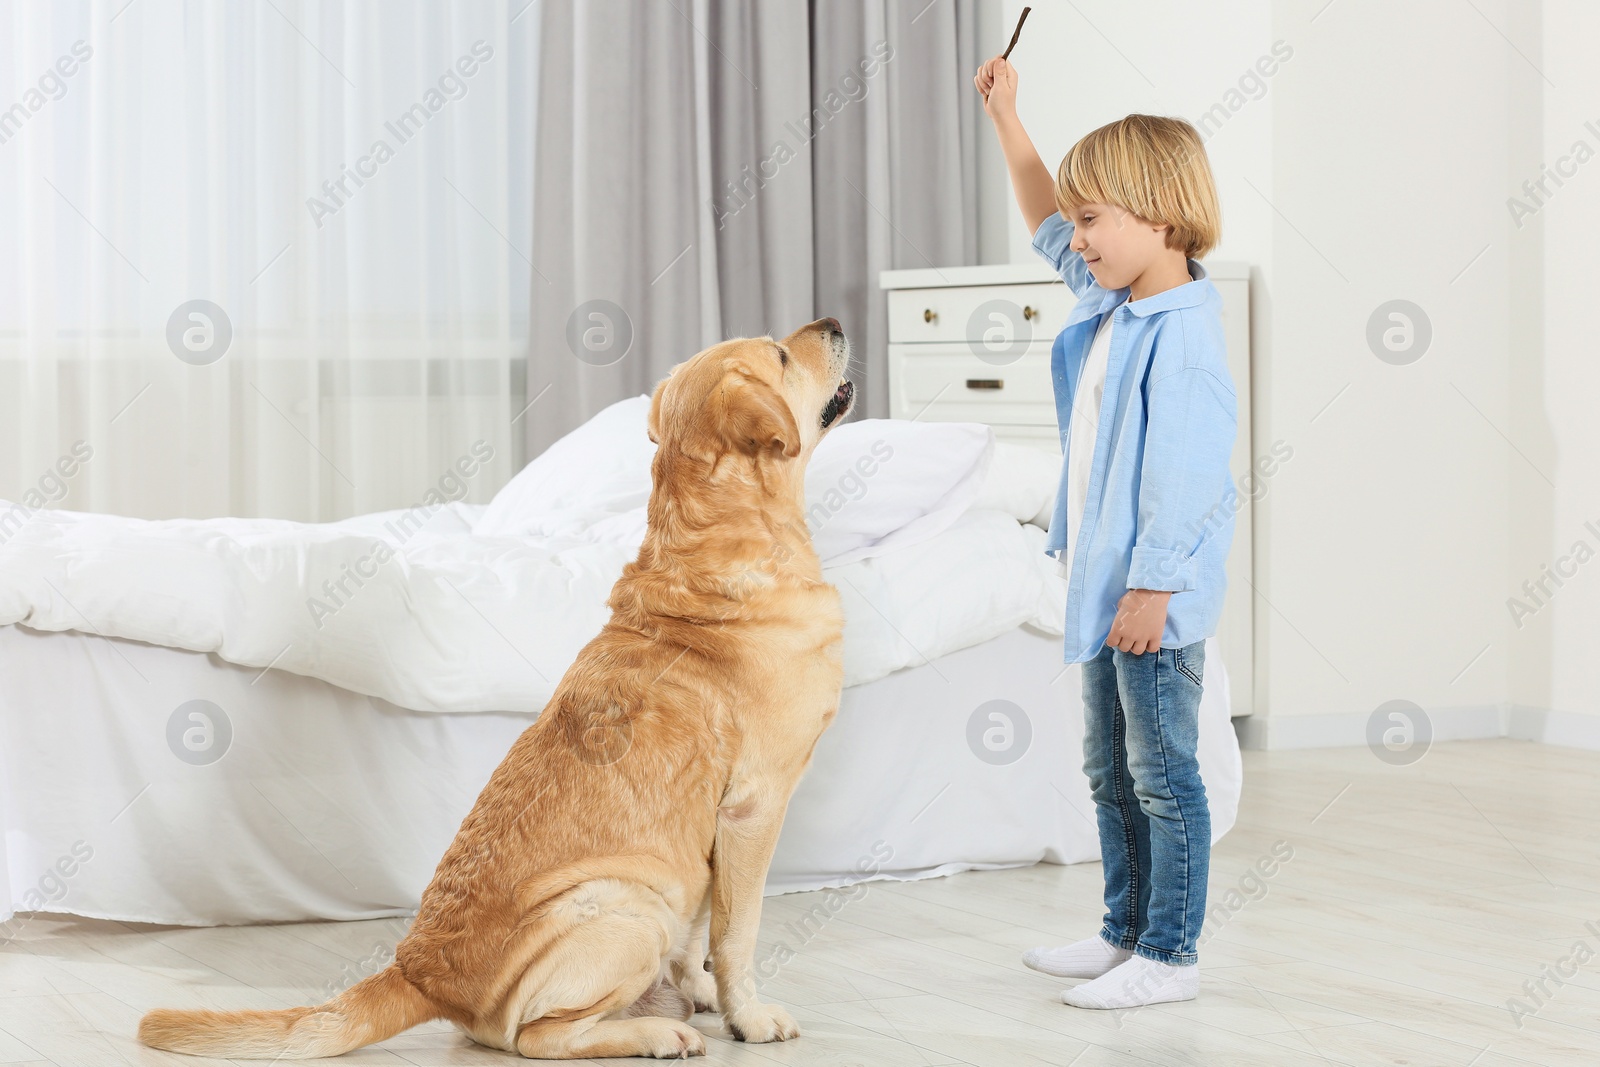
[{"x": 186, "y": 738}]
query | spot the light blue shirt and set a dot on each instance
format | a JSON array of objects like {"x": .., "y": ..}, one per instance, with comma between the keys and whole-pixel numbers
[{"x": 1159, "y": 513}]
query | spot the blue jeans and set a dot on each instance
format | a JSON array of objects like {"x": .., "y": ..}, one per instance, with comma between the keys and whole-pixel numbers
[{"x": 1141, "y": 730}]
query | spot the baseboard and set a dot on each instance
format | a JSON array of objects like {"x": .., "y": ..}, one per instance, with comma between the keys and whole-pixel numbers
[{"x": 1565, "y": 728}]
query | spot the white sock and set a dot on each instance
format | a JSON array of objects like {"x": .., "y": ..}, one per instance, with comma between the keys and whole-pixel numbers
[
  {"x": 1137, "y": 982},
  {"x": 1082, "y": 959}
]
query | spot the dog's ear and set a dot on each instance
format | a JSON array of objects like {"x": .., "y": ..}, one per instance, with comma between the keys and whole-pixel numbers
[
  {"x": 755, "y": 418},
  {"x": 652, "y": 424}
]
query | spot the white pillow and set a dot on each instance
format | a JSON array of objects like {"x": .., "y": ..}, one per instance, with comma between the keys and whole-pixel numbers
[
  {"x": 596, "y": 473},
  {"x": 878, "y": 484},
  {"x": 872, "y": 485},
  {"x": 1022, "y": 482}
]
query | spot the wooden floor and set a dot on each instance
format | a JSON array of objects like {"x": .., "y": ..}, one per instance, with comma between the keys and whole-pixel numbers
[{"x": 1417, "y": 903}]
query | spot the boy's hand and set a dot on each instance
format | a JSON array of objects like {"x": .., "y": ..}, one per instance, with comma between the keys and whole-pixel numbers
[
  {"x": 997, "y": 81},
  {"x": 1141, "y": 620}
]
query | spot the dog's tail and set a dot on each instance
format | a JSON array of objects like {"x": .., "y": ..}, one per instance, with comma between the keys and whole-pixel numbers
[{"x": 371, "y": 1010}]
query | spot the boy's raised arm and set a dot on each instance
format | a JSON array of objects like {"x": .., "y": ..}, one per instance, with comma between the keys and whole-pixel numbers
[{"x": 1030, "y": 179}]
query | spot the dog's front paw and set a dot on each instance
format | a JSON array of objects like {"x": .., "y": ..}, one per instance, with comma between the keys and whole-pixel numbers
[
  {"x": 676, "y": 1041},
  {"x": 760, "y": 1023},
  {"x": 702, "y": 989}
]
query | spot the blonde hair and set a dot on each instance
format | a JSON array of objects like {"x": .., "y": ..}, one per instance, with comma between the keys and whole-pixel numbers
[{"x": 1152, "y": 166}]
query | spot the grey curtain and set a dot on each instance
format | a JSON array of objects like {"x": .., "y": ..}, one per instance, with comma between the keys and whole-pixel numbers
[{"x": 717, "y": 168}]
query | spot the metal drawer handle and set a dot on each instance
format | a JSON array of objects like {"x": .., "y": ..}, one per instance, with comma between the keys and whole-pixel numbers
[
  {"x": 986, "y": 383},
  {"x": 928, "y": 314},
  {"x": 1029, "y": 313}
]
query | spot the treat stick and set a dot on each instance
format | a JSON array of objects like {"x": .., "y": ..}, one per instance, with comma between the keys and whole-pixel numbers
[{"x": 1016, "y": 33}]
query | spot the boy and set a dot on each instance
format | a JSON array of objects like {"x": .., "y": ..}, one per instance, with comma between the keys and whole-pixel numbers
[{"x": 1141, "y": 526}]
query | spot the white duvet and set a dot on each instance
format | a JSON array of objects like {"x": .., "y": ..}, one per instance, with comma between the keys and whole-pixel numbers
[{"x": 924, "y": 528}]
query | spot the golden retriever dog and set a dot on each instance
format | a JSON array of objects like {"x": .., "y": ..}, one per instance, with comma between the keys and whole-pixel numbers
[{"x": 570, "y": 916}]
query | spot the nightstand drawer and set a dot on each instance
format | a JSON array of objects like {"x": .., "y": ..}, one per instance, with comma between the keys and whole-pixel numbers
[
  {"x": 952, "y": 384},
  {"x": 997, "y": 315}
]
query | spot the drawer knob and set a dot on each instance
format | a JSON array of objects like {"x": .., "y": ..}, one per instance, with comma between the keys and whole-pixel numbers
[
  {"x": 928, "y": 314},
  {"x": 986, "y": 383},
  {"x": 1029, "y": 313}
]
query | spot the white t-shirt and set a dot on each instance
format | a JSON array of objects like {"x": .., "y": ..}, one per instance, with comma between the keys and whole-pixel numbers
[{"x": 1082, "y": 426}]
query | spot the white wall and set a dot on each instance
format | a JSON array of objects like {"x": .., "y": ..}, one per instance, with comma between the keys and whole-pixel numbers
[
  {"x": 1386, "y": 544},
  {"x": 1375, "y": 165},
  {"x": 1555, "y": 385}
]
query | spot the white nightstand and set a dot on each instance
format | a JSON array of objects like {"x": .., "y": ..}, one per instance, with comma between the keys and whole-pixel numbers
[{"x": 972, "y": 344}]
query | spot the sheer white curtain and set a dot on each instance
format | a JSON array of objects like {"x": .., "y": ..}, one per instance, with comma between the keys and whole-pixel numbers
[{"x": 346, "y": 187}]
